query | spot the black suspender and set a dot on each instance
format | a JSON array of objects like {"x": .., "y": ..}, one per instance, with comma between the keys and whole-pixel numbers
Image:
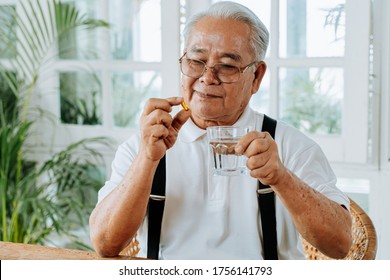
[
  {"x": 266, "y": 200},
  {"x": 156, "y": 210}
]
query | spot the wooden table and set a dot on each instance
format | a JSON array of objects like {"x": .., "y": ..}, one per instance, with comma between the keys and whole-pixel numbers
[{"x": 18, "y": 251}]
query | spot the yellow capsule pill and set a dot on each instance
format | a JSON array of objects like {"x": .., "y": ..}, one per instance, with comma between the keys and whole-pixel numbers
[{"x": 184, "y": 105}]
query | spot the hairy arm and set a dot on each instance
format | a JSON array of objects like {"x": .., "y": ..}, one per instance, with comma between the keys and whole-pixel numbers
[
  {"x": 116, "y": 219},
  {"x": 118, "y": 216},
  {"x": 321, "y": 221}
]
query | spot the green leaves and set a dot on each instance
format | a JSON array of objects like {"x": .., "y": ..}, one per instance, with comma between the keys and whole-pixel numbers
[
  {"x": 54, "y": 195},
  {"x": 310, "y": 105},
  {"x": 36, "y": 30}
]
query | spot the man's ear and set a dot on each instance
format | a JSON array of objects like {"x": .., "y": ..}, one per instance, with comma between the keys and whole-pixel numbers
[{"x": 259, "y": 74}]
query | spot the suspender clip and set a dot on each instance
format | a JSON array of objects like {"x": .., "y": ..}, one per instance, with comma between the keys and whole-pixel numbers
[
  {"x": 265, "y": 190},
  {"x": 157, "y": 197}
]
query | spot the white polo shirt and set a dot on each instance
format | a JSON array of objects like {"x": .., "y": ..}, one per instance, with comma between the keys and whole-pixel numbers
[{"x": 217, "y": 217}]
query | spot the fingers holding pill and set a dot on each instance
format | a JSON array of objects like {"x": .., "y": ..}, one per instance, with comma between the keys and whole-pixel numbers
[
  {"x": 184, "y": 105},
  {"x": 160, "y": 127}
]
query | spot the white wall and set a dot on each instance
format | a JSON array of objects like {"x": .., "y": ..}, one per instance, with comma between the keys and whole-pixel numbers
[
  {"x": 380, "y": 212},
  {"x": 378, "y": 172},
  {"x": 380, "y": 190},
  {"x": 379, "y": 200}
]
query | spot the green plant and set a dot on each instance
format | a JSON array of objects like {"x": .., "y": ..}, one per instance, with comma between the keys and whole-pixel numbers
[
  {"x": 52, "y": 197},
  {"x": 80, "y": 95},
  {"x": 39, "y": 198},
  {"x": 75, "y": 110},
  {"x": 128, "y": 98},
  {"x": 310, "y": 109},
  {"x": 8, "y": 97}
]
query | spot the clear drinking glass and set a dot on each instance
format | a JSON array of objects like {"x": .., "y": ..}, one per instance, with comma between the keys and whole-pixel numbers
[{"x": 223, "y": 159}]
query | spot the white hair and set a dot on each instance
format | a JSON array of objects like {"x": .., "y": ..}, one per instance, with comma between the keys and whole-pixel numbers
[{"x": 259, "y": 37}]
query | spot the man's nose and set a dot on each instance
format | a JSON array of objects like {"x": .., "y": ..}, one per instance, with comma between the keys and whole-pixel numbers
[{"x": 209, "y": 76}]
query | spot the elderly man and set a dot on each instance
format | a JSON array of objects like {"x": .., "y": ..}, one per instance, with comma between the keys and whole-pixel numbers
[{"x": 218, "y": 217}]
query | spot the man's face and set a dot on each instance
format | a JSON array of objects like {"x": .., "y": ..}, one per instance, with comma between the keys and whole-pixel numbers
[{"x": 220, "y": 41}]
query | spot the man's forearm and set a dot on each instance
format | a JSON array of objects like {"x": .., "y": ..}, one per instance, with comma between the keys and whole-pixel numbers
[
  {"x": 322, "y": 222},
  {"x": 118, "y": 216}
]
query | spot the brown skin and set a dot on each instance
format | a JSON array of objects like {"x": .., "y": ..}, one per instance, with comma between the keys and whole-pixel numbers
[
  {"x": 116, "y": 219},
  {"x": 118, "y": 216},
  {"x": 212, "y": 102}
]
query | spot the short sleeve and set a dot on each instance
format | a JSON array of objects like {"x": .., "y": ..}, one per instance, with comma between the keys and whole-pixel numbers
[
  {"x": 306, "y": 160},
  {"x": 123, "y": 159}
]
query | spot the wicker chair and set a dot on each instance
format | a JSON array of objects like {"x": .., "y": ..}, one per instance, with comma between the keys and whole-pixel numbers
[
  {"x": 363, "y": 244},
  {"x": 132, "y": 249},
  {"x": 363, "y": 238}
]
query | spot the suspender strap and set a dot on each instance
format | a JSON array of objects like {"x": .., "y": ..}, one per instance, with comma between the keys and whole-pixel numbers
[
  {"x": 156, "y": 210},
  {"x": 266, "y": 198},
  {"x": 266, "y": 208}
]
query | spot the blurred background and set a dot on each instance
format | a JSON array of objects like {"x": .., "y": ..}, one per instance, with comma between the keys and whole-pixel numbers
[{"x": 74, "y": 76}]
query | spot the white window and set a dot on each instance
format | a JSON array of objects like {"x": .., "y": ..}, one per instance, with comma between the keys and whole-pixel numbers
[
  {"x": 129, "y": 62},
  {"x": 326, "y": 75},
  {"x": 317, "y": 78},
  {"x": 99, "y": 79},
  {"x": 318, "y": 69}
]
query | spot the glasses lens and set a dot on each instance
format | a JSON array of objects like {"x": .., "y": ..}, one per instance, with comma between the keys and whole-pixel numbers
[
  {"x": 227, "y": 73},
  {"x": 192, "y": 68}
]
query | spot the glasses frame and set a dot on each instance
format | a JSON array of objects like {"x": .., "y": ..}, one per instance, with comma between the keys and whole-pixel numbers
[{"x": 241, "y": 70}]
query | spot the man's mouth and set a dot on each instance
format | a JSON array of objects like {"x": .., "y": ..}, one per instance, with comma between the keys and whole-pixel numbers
[{"x": 207, "y": 95}]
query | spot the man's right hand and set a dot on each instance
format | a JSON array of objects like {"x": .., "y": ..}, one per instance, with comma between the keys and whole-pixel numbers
[{"x": 159, "y": 130}]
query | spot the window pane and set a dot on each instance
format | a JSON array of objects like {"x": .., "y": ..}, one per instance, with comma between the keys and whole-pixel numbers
[
  {"x": 81, "y": 98},
  {"x": 130, "y": 91},
  {"x": 260, "y": 101},
  {"x": 312, "y": 28},
  {"x": 7, "y": 32},
  {"x": 135, "y": 30},
  {"x": 8, "y": 99},
  {"x": 80, "y": 43},
  {"x": 311, "y": 99}
]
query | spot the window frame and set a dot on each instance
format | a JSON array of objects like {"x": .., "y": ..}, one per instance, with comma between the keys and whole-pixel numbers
[
  {"x": 351, "y": 145},
  {"x": 376, "y": 171},
  {"x": 57, "y": 135}
]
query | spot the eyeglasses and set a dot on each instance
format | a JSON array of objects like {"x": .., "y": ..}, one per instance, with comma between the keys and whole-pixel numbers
[{"x": 225, "y": 73}]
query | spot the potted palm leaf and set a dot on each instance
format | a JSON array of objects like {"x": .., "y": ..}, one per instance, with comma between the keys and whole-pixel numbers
[{"x": 38, "y": 199}]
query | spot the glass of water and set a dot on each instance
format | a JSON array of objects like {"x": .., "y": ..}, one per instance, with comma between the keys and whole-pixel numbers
[{"x": 223, "y": 159}]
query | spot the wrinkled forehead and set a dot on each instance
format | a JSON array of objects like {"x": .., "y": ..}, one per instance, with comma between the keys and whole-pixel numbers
[
  {"x": 197, "y": 49},
  {"x": 225, "y": 37}
]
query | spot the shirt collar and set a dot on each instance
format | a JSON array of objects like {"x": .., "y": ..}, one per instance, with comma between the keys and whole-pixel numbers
[{"x": 190, "y": 132}]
